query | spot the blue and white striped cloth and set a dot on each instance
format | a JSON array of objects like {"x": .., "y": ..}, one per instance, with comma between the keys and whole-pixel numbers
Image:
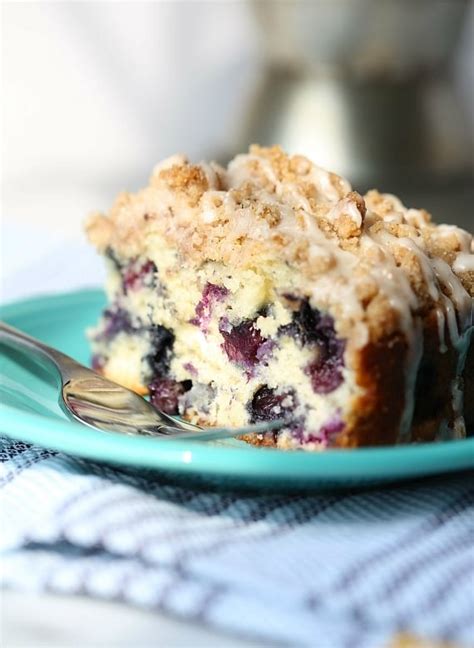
[{"x": 338, "y": 570}]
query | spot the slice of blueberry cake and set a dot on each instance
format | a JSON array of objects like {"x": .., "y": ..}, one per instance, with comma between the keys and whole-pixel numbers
[{"x": 271, "y": 289}]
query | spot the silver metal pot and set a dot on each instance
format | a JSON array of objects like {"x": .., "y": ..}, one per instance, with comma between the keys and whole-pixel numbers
[{"x": 363, "y": 87}]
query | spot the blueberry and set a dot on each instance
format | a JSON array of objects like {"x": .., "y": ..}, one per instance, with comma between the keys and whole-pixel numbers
[
  {"x": 161, "y": 340},
  {"x": 190, "y": 368},
  {"x": 265, "y": 349},
  {"x": 137, "y": 275},
  {"x": 165, "y": 393},
  {"x": 311, "y": 327},
  {"x": 210, "y": 296},
  {"x": 116, "y": 320},
  {"x": 331, "y": 428},
  {"x": 326, "y": 370},
  {"x": 325, "y": 435},
  {"x": 292, "y": 330},
  {"x": 242, "y": 342},
  {"x": 267, "y": 405}
]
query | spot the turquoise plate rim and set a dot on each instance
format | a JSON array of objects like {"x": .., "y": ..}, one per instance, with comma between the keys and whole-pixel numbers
[{"x": 193, "y": 457}]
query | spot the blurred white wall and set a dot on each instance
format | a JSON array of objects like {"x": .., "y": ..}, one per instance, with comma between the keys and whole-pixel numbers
[{"x": 95, "y": 93}]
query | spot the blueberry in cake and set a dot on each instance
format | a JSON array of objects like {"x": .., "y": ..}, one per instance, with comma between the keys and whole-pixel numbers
[{"x": 270, "y": 288}]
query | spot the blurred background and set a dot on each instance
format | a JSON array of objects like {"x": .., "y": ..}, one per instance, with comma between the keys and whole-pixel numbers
[{"x": 94, "y": 94}]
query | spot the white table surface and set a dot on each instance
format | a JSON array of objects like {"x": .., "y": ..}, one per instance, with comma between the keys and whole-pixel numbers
[{"x": 32, "y": 621}]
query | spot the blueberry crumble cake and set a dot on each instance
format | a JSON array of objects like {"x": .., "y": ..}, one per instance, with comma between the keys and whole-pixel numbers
[{"x": 271, "y": 289}]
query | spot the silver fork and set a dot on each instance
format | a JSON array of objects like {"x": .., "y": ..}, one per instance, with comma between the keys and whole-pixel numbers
[{"x": 98, "y": 402}]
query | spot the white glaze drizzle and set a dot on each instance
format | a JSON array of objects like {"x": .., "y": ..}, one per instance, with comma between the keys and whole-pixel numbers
[
  {"x": 417, "y": 250},
  {"x": 347, "y": 207},
  {"x": 323, "y": 181},
  {"x": 434, "y": 272},
  {"x": 393, "y": 281},
  {"x": 396, "y": 202},
  {"x": 458, "y": 294},
  {"x": 451, "y": 319},
  {"x": 415, "y": 217},
  {"x": 463, "y": 237},
  {"x": 464, "y": 262}
]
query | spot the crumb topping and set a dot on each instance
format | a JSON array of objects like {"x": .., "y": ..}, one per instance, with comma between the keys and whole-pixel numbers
[{"x": 384, "y": 262}]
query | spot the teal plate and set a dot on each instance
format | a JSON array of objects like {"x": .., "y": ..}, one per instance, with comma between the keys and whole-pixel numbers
[{"x": 30, "y": 412}]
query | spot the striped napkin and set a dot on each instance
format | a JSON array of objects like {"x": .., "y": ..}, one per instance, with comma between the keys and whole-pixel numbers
[{"x": 348, "y": 569}]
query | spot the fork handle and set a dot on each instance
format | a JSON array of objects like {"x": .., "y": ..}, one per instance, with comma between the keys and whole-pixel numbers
[{"x": 44, "y": 355}]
